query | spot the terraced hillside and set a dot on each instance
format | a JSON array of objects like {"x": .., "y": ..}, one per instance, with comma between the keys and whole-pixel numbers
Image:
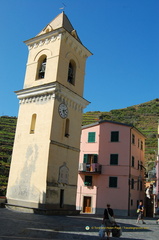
[{"x": 7, "y": 132}]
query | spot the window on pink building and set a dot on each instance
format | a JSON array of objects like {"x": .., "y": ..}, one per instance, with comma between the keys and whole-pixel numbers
[
  {"x": 88, "y": 181},
  {"x": 132, "y": 161},
  {"x": 131, "y": 202},
  {"x": 133, "y": 139},
  {"x": 138, "y": 185},
  {"x": 113, "y": 159},
  {"x": 141, "y": 186},
  {"x": 114, "y": 136},
  {"x": 90, "y": 158},
  {"x": 138, "y": 143},
  {"x": 113, "y": 182},
  {"x": 91, "y": 137},
  {"x": 138, "y": 165},
  {"x": 141, "y": 165},
  {"x": 132, "y": 183}
]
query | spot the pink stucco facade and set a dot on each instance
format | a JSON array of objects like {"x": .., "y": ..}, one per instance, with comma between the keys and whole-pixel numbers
[{"x": 110, "y": 168}]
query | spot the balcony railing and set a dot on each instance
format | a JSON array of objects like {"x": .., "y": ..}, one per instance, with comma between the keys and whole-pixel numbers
[{"x": 90, "y": 168}]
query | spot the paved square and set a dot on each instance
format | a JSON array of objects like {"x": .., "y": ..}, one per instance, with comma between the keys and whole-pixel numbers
[{"x": 26, "y": 226}]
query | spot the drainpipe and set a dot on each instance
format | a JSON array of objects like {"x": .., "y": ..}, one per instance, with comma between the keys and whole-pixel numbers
[{"x": 129, "y": 180}]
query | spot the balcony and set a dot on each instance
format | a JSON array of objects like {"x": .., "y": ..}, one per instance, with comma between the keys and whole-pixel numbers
[{"x": 94, "y": 168}]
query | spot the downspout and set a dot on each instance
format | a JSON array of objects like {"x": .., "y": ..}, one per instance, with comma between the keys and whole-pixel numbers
[{"x": 129, "y": 179}]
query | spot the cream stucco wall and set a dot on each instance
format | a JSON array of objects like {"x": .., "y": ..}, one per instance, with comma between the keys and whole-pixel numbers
[{"x": 30, "y": 153}]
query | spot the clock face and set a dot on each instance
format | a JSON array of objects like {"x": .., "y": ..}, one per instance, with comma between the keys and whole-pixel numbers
[{"x": 63, "y": 110}]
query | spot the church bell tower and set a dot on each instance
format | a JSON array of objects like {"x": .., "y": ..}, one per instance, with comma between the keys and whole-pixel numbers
[{"x": 44, "y": 166}]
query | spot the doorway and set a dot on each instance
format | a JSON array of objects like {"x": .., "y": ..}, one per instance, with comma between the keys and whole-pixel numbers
[
  {"x": 87, "y": 204},
  {"x": 61, "y": 198}
]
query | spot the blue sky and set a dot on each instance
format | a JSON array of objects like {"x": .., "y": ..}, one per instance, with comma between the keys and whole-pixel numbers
[{"x": 123, "y": 36}]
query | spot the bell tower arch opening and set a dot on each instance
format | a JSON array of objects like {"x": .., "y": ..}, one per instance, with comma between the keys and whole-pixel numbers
[
  {"x": 71, "y": 72},
  {"x": 41, "y": 67}
]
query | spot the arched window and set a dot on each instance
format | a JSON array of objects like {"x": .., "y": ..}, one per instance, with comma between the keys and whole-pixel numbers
[
  {"x": 71, "y": 72},
  {"x": 41, "y": 67},
  {"x": 67, "y": 124},
  {"x": 33, "y": 121}
]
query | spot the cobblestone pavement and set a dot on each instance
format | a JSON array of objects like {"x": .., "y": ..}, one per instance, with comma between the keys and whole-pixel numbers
[{"x": 26, "y": 226}]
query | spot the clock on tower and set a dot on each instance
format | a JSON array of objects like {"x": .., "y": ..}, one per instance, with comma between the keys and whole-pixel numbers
[{"x": 44, "y": 166}]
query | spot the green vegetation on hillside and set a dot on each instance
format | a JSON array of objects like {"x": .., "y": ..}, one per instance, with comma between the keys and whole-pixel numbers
[{"x": 7, "y": 132}]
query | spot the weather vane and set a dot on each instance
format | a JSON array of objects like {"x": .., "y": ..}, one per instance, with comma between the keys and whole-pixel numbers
[{"x": 62, "y": 8}]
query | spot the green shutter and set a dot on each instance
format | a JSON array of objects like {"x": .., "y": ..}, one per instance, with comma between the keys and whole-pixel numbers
[
  {"x": 85, "y": 158},
  {"x": 95, "y": 158},
  {"x": 91, "y": 137}
]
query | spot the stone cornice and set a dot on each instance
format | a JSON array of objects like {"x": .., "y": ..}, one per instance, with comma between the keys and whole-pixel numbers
[
  {"x": 43, "y": 39},
  {"x": 58, "y": 34},
  {"x": 46, "y": 92}
]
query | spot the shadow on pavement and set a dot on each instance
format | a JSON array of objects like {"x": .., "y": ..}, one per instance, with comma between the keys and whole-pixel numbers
[{"x": 23, "y": 226}]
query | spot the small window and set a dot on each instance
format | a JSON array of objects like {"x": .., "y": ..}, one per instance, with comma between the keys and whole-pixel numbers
[
  {"x": 91, "y": 137},
  {"x": 141, "y": 186},
  {"x": 141, "y": 165},
  {"x": 131, "y": 202},
  {"x": 132, "y": 161},
  {"x": 113, "y": 182},
  {"x": 115, "y": 136},
  {"x": 41, "y": 67},
  {"x": 133, "y": 139},
  {"x": 132, "y": 183},
  {"x": 138, "y": 165},
  {"x": 138, "y": 143},
  {"x": 71, "y": 72},
  {"x": 88, "y": 181},
  {"x": 113, "y": 159},
  {"x": 138, "y": 184},
  {"x": 141, "y": 145},
  {"x": 67, "y": 124},
  {"x": 33, "y": 121}
]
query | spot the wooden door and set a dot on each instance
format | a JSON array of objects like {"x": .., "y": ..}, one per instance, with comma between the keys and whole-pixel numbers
[{"x": 87, "y": 205}]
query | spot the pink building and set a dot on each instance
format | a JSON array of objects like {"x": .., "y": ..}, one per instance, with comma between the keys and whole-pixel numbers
[{"x": 110, "y": 168}]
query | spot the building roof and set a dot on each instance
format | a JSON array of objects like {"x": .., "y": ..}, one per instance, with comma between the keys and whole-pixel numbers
[
  {"x": 107, "y": 121},
  {"x": 61, "y": 21}
]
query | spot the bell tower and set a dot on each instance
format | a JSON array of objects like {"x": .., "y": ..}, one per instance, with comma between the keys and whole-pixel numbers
[{"x": 44, "y": 166}]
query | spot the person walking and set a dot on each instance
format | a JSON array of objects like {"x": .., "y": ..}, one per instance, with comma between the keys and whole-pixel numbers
[
  {"x": 140, "y": 211},
  {"x": 106, "y": 221}
]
